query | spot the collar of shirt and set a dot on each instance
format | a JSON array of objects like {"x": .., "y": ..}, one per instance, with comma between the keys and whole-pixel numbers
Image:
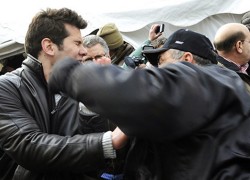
[{"x": 242, "y": 68}]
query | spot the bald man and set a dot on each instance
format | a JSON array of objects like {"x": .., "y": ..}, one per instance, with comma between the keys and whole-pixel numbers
[{"x": 232, "y": 42}]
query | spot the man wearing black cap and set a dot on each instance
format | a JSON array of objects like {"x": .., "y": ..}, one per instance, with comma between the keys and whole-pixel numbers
[
  {"x": 183, "y": 45},
  {"x": 185, "y": 121}
]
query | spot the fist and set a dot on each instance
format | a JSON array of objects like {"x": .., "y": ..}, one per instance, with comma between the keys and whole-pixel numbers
[{"x": 60, "y": 74}]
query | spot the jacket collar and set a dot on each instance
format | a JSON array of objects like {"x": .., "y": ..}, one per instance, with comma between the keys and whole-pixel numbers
[
  {"x": 228, "y": 64},
  {"x": 33, "y": 64}
]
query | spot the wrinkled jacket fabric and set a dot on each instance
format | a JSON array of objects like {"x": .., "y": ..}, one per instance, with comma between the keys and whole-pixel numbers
[
  {"x": 232, "y": 66},
  {"x": 120, "y": 53},
  {"x": 190, "y": 122},
  {"x": 38, "y": 135},
  {"x": 92, "y": 123}
]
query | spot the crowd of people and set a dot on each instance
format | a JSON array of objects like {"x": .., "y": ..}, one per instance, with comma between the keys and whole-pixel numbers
[{"x": 78, "y": 109}]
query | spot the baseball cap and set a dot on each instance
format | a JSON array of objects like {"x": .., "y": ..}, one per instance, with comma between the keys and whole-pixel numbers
[{"x": 184, "y": 40}]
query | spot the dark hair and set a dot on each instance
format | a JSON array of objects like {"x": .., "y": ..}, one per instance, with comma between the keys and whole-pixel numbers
[
  {"x": 201, "y": 61},
  {"x": 50, "y": 23},
  {"x": 228, "y": 43}
]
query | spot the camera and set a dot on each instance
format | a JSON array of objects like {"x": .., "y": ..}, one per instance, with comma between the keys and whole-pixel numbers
[
  {"x": 133, "y": 62},
  {"x": 159, "y": 29}
]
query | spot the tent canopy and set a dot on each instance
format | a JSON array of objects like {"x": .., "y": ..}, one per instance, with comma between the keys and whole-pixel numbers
[{"x": 133, "y": 18}]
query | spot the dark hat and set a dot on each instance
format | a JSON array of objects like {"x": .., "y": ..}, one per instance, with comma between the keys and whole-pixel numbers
[
  {"x": 110, "y": 33},
  {"x": 185, "y": 40}
]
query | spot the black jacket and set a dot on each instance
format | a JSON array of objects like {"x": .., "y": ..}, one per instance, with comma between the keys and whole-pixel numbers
[
  {"x": 190, "y": 122},
  {"x": 232, "y": 66},
  {"x": 40, "y": 136},
  {"x": 91, "y": 122},
  {"x": 121, "y": 52}
]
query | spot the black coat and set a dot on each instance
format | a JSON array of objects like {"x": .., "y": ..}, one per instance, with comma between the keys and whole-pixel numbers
[
  {"x": 232, "y": 66},
  {"x": 91, "y": 122},
  {"x": 40, "y": 136},
  {"x": 189, "y": 122}
]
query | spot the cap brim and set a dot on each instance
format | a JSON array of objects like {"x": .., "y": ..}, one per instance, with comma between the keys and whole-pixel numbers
[
  {"x": 152, "y": 55},
  {"x": 153, "y": 51}
]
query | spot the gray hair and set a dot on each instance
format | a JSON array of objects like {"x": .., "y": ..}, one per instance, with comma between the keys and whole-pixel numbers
[
  {"x": 92, "y": 40},
  {"x": 177, "y": 54}
]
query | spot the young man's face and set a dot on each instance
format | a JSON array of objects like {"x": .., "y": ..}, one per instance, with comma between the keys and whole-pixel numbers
[{"x": 72, "y": 45}]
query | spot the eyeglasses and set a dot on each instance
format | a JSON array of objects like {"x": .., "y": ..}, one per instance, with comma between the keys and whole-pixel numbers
[
  {"x": 96, "y": 57},
  {"x": 245, "y": 41}
]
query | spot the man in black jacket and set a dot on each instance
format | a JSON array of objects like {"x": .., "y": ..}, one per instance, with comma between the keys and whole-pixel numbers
[
  {"x": 39, "y": 130},
  {"x": 189, "y": 122}
]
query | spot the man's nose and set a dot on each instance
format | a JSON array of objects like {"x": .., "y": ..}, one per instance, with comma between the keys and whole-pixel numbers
[{"x": 83, "y": 51}]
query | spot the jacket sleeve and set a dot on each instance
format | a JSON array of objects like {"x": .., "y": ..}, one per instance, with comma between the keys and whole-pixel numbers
[
  {"x": 160, "y": 104},
  {"x": 22, "y": 139}
]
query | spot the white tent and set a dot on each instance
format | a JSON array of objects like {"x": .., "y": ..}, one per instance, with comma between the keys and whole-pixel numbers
[{"x": 132, "y": 17}]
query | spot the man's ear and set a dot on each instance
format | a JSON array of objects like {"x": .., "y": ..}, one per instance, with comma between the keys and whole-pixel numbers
[
  {"x": 239, "y": 46},
  {"x": 48, "y": 46},
  {"x": 188, "y": 57}
]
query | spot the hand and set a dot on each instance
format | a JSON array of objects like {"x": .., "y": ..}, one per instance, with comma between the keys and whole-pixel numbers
[
  {"x": 152, "y": 35},
  {"x": 60, "y": 73},
  {"x": 103, "y": 60},
  {"x": 119, "y": 139},
  {"x": 141, "y": 66}
]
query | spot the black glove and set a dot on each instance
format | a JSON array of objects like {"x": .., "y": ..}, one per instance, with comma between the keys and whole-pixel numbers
[{"x": 60, "y": 74}]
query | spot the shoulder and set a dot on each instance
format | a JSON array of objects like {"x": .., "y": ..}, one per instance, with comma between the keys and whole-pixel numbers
[
  {"x": 11, "y": 78},
  {"x": 128, "y": 46},
  {"x": 215, "y": 74}
]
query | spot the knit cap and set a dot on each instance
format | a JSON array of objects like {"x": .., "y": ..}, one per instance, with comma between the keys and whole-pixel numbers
[{"x": 111, "y": 35}]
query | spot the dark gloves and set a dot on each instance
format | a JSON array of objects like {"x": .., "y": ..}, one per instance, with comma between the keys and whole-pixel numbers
[{"x": 60, "y": 74}]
